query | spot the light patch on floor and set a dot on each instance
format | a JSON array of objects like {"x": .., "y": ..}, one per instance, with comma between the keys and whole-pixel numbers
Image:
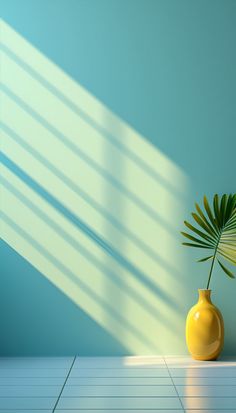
[{"x": 116, "y": 384}]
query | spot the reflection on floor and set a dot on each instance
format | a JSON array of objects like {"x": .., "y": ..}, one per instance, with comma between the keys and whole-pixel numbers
[{"x": 119, "y": 384}]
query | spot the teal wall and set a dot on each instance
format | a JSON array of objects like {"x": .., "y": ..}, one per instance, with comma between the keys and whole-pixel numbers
[{"x": 118, "y": 115}]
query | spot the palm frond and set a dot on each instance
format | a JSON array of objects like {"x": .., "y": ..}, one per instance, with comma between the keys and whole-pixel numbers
[
  {"x": 197, "y": 240},
  {"x": 202, "y": 234},
  {"x": 228, "y": 272},
  {"x": 205, "y": 259},
  {"x": 216, "y": 230},
  {"x": 210, "y": 215}
]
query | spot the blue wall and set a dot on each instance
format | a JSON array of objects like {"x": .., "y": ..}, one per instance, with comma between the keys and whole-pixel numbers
[{"x": 167, "y": 69}]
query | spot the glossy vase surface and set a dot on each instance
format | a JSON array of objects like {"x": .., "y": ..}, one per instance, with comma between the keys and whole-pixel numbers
[{"x": 204, "y": 328}]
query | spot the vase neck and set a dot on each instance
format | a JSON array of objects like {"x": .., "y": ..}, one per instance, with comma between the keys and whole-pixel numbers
[{"x": 204, "y": 296}]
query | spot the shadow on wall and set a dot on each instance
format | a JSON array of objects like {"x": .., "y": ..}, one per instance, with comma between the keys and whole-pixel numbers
[
  {"x": 34, "y": 299},
  {"x": 90, "y": 203}
]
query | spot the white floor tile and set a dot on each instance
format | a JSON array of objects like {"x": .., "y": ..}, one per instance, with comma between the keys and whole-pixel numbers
[
  {"x": 208, "y": 411},
  {"x": 26, "y": 411},
  {"x": 203, "y": 372},
  {"x": 30, "y": 403},
  {"x": 119, "y": 403},
  {"x": 117, "y": 384},
  {"x": 121, "y": 411},
  {"x": 188, "y": 361},
  {"x": 125, "y": 372},
  {"x": 205, "y": 381},
  {"x": 119, "y": 362},
  {"x": 202, "y": 365},
  {"x": 209, "y": 403},
  {"x": 180, "y": 360},
  {"x": 119, "y": 391},
  {"x": 35, "y": 362},
  {"x": 32, "y": 381},
  {"x": 206, "y": 391},
  {"x": 119, "y": 381},
  {"x": 33, "y": 373},
  {"x": 30, "y": 391}
]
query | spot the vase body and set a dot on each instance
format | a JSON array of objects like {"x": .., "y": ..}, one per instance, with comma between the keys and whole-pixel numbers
[{"x": 204, "y": 328}]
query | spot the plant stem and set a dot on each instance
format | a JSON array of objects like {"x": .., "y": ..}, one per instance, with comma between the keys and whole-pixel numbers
[
  {"x": 213, "y": 261},
  {"x": 212, "y": 265}
]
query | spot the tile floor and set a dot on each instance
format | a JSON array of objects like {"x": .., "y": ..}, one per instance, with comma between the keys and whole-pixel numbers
[{"x": 128, "y": 384}]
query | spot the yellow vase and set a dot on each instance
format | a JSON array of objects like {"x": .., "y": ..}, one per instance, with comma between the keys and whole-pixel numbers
[{"x": 204, "y": 328}]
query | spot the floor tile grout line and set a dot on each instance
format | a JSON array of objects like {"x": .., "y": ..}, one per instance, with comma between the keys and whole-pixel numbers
[
  {"x": 34, "y": 368},
  {"x": 121, "y": 397},
  {"x": 105, "y": 384},
  {"x": 73, "y": 362},
  {"x": 174, "y": 385}
]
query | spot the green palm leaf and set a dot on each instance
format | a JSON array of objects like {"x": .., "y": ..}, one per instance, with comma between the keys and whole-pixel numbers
[
  {"x": 229, "y": 273},
  {"x": 230, "y": 206},
  {"x": 216, "y": 232},
  {"x": 206, "y": 226},
  {"x": 198, "y": 241},
  {"x": 223, "y": 205},
  {"x": 230, "y": 259},
  {"x": 205, "y": 259},
  {"x": 206, "y": 237},
  {"x": 218, "y": 217},
  {"x": 210, "y": 215},
  {"x": 189, "y": 244}
]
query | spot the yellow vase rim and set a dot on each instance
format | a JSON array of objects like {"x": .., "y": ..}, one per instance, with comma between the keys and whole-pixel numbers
[{"x": 204, "y": 289}]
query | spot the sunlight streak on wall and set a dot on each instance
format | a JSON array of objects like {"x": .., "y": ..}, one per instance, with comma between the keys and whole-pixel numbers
[{"x": 117, "y": 258}]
